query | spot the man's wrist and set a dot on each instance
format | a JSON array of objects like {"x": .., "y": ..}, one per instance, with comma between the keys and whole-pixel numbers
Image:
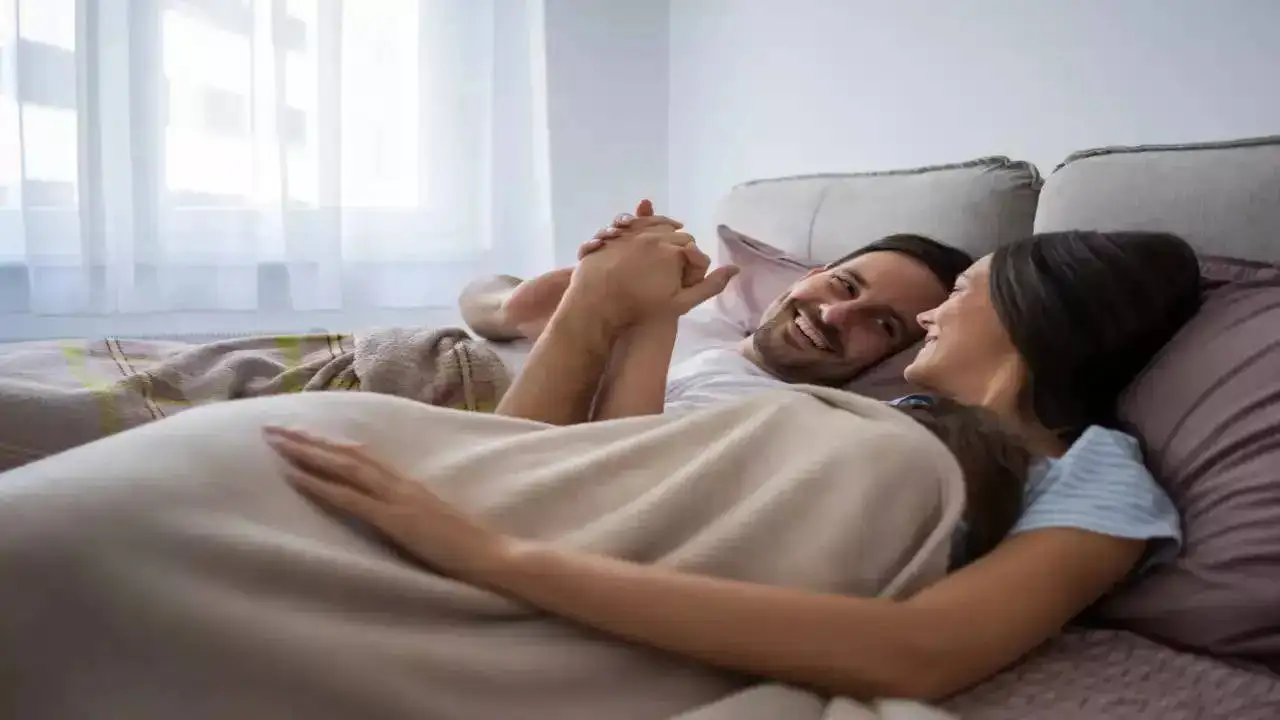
[
  {"x": 586, "y": 321},
  {"x": 658, "y": 325}
]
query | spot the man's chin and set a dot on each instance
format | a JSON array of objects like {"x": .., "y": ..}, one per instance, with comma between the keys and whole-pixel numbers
[{"x": 797, "y": 374}]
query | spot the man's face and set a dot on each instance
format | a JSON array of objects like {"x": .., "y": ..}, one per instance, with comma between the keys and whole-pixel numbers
[{"x": 839, "y": 321}]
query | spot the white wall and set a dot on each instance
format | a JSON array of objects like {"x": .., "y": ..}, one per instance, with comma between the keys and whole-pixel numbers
[
  {"x": 607, "y": 94},
  {"x": 772, "y": 87}
]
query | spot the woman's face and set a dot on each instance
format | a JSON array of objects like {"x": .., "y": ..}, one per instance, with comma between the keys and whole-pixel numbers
[{"x": 967, "y": 355}]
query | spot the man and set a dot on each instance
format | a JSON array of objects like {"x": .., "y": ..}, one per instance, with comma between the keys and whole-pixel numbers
[{"x": 834, "y": 323}]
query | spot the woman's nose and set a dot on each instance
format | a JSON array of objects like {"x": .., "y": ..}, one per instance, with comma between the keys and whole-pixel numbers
[{"x": 926, "y": 318}]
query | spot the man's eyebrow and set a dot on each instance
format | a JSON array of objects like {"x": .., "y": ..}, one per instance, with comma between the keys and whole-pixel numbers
[{"x": 858, "y": 278}]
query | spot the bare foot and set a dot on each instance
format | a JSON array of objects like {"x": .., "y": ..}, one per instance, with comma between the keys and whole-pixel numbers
[{"x": 504, "y": 308}]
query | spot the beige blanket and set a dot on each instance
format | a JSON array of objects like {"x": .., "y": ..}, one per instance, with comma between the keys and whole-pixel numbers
[
  {"x": 59, "y": 394},
  {"x": 167, "y": 572}
]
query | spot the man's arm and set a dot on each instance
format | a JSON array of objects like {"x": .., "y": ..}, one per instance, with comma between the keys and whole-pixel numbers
[
  {"x": 563, "y": 372},
  {"x": 636, "y": 380}
]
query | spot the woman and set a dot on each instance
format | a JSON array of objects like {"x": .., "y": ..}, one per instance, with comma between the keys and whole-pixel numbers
[{"x": 1045, "y": 332}]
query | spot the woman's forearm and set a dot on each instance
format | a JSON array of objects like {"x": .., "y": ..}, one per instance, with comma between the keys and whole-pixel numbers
[
  {"x": 843, "y": 645},
  {"x": 636, "y": 381}
]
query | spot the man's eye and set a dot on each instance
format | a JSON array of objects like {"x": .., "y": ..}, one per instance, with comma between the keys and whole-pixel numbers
[
  {"x": 888, "y": 326},
  {"x": 849, "y": 286}
]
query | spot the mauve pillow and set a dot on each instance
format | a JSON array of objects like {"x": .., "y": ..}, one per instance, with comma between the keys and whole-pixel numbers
[
  {"x": 1208, "y": 413},
  {"x": 1218, "y": 271},
  {"x": 766, "y": 272},
  {"x": 884, "y": 381}
]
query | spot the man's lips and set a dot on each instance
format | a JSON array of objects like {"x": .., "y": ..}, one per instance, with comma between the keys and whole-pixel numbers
[{"x": 808, "y": 332}]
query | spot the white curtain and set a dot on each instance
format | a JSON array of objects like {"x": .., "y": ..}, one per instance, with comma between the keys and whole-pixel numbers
[{"x": 224, "y": 166}]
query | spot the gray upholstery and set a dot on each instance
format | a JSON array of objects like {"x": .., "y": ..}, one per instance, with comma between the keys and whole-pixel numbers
[
  {"x": 975, "y": 205},
  {"x": 1223, "y": 197}
]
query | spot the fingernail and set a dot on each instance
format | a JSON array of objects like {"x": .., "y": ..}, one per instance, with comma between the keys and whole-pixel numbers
[{"x": 276, "y": 435}]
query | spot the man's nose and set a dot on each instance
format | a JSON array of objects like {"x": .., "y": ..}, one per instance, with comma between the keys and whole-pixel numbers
[{"x": 839, "y": 313}]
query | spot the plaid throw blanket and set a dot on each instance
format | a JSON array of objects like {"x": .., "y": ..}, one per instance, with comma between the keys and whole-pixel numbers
[{"x": 58, "y": 394}]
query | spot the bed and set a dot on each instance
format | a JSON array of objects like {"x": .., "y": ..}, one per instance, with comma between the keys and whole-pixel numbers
[{"x": 1200, "y": 640}]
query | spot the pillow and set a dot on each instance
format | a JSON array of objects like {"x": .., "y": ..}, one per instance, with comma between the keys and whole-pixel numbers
[
  {"x": 1208, "y": 413},
  {"x": 766, "y": 273},
  {"x": 884, "y": 381},
  {"x": 1219, "y": 271}
]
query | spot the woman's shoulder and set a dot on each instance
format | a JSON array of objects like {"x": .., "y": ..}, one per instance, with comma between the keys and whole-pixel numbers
[
  {"x": 1101, "y": 449},
  {"x": 1100, "y": 456},
  {"x": 1101, "y": 485},
  {"x": 1099, "y": 439}
]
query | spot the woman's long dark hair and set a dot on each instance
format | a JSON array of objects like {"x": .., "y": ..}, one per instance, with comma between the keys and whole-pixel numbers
[{"x": 1088, "y": 310}]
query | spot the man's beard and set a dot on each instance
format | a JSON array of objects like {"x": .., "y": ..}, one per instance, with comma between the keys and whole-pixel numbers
[{"x": 785, "y": 362}]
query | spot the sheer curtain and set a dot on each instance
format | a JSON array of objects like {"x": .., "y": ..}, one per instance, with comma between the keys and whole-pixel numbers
[{"x": 224, "y": 166}]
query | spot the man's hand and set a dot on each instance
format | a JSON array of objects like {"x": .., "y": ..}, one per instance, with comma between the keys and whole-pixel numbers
[{"x": 696, "y": 286}]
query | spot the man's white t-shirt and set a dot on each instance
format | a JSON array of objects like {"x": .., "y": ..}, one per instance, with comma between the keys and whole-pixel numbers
[{"x": 714, "y": 376}]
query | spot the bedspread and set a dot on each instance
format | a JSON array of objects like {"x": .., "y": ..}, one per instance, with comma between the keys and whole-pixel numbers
[
  {"x": 56, "y": 395},
  {"x": 169, "y": 571}
]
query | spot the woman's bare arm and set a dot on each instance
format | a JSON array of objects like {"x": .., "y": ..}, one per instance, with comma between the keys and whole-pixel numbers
[
  {"x": 636, "y": 381},
  {"x": 946, "y": 638}
]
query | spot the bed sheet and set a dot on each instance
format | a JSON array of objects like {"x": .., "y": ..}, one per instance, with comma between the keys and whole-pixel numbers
[{"x": 1094, "y": 674}]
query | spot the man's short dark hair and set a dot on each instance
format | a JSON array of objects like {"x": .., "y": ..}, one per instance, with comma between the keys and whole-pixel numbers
[{"x": 944, "y": 261}]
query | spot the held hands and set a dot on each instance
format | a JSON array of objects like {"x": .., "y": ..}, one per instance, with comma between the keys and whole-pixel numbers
[{"x": 642, "y": 266}]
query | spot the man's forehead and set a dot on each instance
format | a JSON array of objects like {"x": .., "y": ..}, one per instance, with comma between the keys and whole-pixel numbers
[{"x": 893, "y": 272}]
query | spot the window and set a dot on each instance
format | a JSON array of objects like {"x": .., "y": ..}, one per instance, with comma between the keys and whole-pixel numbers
[{"x": 248, "y": 162}]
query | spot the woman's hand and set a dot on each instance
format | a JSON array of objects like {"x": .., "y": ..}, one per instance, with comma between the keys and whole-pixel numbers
[{"x": 345, "y": 477}]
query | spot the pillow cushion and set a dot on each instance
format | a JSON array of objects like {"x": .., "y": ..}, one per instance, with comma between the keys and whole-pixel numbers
[
  {"x": 977, "y": 206},
  {"x": 1219, "y": 271},
  {"x": 1222, "y": 197},
  {"x": 1208, "y": 412},
  {"x": 885, "y": 381},
  {"x": 766, "y": 273}
]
